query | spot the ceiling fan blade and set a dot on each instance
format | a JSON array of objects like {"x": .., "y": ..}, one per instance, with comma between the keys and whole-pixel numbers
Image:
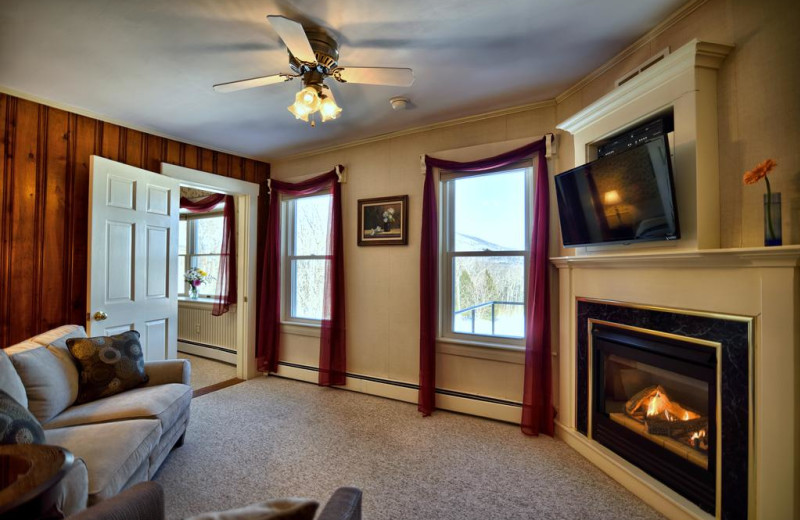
[
  {"x": 376, "y": 76},
  {"x": 294, "y": 36},
  {"x": 233, "y": 86}
]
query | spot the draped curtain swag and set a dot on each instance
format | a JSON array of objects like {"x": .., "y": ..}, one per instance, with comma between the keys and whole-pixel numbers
[
  {"x": 332, "y": 359},
  {"x": 226, "y": 276},
  {"x": 537, "y": 408}
]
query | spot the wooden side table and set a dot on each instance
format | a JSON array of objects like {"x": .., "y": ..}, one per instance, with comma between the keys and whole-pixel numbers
[{"x": 28, "y": 477}]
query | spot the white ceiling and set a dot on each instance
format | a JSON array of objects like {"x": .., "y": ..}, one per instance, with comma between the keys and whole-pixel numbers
[{"x": 151, "y": 63}]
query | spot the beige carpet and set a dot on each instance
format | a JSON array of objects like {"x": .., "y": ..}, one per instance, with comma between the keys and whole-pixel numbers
[
  {"x": 206, "y": 372},
  {"x": 271, "y": 437}
]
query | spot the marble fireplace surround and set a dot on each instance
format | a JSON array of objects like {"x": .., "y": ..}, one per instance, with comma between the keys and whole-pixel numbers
[
  {"x": 734, "y": 335},
  {"x": 757, "y": 286}
]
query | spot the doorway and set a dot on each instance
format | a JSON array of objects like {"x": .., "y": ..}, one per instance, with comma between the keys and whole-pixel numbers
[{"x": 218, "y": 347}]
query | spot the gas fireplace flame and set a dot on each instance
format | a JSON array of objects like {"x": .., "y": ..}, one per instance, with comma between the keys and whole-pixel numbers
[{"x": 654, "y": 403}]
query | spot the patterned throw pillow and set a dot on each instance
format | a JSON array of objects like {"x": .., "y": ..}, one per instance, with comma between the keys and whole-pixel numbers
[
  {"x": 17, "y": 424},
  {"x": 108, "y": 364}
]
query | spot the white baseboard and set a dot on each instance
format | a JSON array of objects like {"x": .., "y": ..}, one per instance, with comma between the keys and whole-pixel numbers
[
  {"x": 490, "y": 410},
  {"x": 210, "y": 353},
  {"x": 654, "y": 493}
]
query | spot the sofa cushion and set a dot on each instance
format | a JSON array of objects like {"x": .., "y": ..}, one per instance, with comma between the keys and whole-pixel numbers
[
  {"x": 163, "y": 402},
  {"x": 113, "y": 451},
  {"x": 17, "y": 424},
  {"x": 10, "y": 382},
  {"x": 50, "y": 380},
  {"x": 108, "y": 364},
  {"x": 58, "y": 337}
]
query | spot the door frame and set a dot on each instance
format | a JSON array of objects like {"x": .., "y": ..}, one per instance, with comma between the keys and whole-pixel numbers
[{"x": 246, "y": 194}]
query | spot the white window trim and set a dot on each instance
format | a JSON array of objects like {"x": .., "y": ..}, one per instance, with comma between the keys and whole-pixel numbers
[
  {"x": 446, "y": 288},
  {"x": 190, "y": 218},
  {"x": 291, "y": 323}
]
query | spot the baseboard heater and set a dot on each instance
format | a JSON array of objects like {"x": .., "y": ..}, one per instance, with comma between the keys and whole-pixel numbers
[
  {"x": 205, "y": 345},
  {"x": 412, "y": 386}
]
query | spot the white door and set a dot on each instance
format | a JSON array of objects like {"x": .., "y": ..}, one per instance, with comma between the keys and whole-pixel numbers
[{"x": 133, "y": 255}]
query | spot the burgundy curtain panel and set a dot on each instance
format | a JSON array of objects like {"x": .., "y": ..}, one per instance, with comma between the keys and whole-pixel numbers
[
  {"x": 332, "y": 348},
  {"x": 226, "y": 276},
  {"x": 537, "y": 408}
]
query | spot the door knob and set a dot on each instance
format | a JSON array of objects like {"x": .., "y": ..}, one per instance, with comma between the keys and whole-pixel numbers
[{"x": 100, "y": 316}]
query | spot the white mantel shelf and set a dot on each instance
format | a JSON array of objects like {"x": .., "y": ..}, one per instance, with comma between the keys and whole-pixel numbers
[{"x": 780, "y": 256}]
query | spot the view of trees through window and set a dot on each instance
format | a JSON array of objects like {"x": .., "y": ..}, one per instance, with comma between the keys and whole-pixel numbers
[
  {"x": 308, "y": 224},
  {"x": 487, "y": 253},
  {"x": 199, "y": 245}
]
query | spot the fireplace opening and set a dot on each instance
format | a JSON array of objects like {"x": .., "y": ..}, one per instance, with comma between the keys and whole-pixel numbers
[{"x": 654, "y": 403}]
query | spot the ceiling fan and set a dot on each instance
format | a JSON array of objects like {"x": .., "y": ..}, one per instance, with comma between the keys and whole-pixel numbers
[{"x": 314, "y": 57}]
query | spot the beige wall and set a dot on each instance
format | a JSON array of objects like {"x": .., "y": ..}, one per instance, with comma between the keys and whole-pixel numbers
[
  {"x": 759, "y": 98},
  {"x": 758, "y": 105},
  {"x": 383, "y": 282}
]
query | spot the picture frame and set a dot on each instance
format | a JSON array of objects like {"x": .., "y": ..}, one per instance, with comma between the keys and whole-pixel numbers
[{"x": 383, "y": 221}]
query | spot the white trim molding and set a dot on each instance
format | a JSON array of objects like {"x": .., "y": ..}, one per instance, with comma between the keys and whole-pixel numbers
[{"x": 246, "y": 194}]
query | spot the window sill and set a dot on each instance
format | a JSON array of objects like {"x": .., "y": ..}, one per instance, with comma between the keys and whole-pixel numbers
[
  {"x": 312, "y": 330},
  {"x": 481, "y": 350},
  {"x": 201, "y": 302}
]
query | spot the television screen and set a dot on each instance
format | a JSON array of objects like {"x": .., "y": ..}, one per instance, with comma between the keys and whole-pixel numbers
[{"x": 624, "y": 197}]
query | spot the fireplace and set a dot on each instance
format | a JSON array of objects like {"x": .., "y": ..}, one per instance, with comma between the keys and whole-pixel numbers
[
  {"x": 630, "y": 358},
  {"x": 654, "y": 402}
]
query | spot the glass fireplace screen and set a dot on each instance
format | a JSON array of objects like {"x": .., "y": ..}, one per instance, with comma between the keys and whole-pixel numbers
[{"x": 665, "y": 407}]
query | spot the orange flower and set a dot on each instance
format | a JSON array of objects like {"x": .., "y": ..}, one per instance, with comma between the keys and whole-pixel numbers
[{"x": 759, "y": 172}]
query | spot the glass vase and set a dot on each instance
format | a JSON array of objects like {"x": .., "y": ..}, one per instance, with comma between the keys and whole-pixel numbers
[
  {"x": 192, "y": 292},
  {"x": 772, "y": 220}
]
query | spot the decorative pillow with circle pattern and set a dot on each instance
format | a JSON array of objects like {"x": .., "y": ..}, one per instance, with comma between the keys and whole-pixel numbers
[
  {"x": 17, "y": 424},
  {"x": 108, "y": 365}
]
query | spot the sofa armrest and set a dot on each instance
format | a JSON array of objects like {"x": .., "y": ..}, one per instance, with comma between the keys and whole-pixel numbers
[
  {"x": 144, "y": 501},
  {"x": 168, "y": 371},
  {"x": 345, "y": 504}
]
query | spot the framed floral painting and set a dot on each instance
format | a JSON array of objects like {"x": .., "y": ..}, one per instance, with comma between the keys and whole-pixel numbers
[{"x": 383, "y": 221}]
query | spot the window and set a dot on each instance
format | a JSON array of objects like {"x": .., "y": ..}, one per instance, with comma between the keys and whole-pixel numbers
[
  {"x": 485, "y": 253},
  {"x": 305, "y": 245},
  {"x": 199, "y": 245}
]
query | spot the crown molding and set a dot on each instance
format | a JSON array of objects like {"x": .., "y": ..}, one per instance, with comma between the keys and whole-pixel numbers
[
  {"x": 547, "y": 103},
  {"x": 100, "y": 117},
  {"x": 683, "y": 12}
]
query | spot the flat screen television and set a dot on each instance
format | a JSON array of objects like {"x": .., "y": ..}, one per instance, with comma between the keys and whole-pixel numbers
[{"x": 625, "y": 197}]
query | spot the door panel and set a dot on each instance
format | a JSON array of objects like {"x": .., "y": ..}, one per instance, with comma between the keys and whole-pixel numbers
[
  {"x": 133, "y": 255},
  {"x": 157, "y": 262}
]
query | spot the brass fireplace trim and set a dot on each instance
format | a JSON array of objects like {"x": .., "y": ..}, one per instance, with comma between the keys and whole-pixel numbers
[{"x": 751, "y": 455}]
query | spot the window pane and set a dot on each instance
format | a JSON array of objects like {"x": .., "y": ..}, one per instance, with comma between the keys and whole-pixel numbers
[
  {"x": 182, "y": 237},
  {"x": 488, "y": 295},
  {"x": 209, "y": 264},
  {"x": 208, "y": 235},
  {"x": 308, "y": 285},
  {"x": 181, "y": 270},
  {"x": 312, "y": 215},
  {"x": 490, "y": 212}
]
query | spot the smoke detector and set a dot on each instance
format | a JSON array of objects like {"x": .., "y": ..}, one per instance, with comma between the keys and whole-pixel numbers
[{"x": 399, "y": 103}]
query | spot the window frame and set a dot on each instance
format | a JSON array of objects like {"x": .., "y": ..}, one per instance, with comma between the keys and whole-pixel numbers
[
  {"x": 288, "y": 278},
  {"x": 447, "y": 256},
  {"x": 191, "y": 238}
]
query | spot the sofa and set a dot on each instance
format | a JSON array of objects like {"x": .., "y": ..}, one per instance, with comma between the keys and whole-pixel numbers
[{"x": 117, "y": 441}]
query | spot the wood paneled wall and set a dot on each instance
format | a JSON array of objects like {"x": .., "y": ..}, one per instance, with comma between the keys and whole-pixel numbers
[{"x": 44, "y": 190}]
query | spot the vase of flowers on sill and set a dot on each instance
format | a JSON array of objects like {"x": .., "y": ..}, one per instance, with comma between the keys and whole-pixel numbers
[
  {"x": 195, "y": 277},
  {"x": 772, "y": 203}
]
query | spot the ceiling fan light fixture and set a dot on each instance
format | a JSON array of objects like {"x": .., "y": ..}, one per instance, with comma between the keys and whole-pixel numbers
[{"x": 328, "y": 108}]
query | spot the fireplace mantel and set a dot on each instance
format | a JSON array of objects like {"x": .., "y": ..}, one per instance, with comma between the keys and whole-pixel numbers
[
  {"x": 784, "y": 256},
  {"x": 760, "y": 284}
]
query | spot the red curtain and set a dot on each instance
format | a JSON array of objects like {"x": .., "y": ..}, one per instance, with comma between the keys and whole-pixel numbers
[
  {"x": 537, "y": 391},
  {"x": 226, "y": 276},
  {"x": 332, "y": 351}
]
